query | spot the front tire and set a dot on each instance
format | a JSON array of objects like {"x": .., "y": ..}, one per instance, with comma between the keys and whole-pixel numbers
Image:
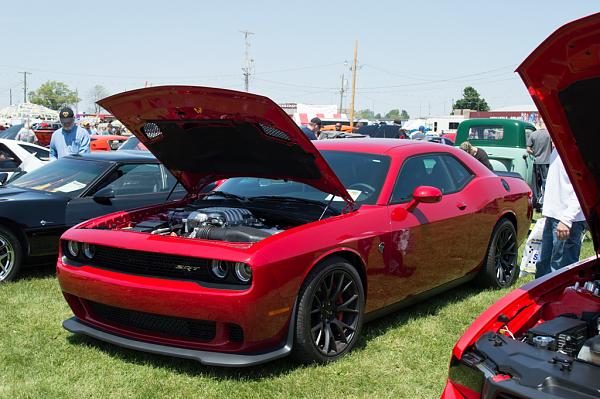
[
  {"x": 330, "y": 312},
  {"x": 500, "y": 268},
  {"x": 10, "y": 255}
]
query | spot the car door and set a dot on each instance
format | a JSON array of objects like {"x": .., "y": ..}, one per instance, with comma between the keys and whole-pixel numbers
[
  {"x": 134, "y": 185},
  {"x": 429, "y": 244}
]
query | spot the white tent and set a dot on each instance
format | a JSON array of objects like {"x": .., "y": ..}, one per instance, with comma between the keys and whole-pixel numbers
[{"x": 14, "y": 114}]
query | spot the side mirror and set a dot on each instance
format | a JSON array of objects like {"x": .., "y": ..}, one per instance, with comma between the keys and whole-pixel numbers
[
  {"x": 103, "y": 196},
  {"x": 425, "y": 194},
  {"x": 3, "y": 178}
]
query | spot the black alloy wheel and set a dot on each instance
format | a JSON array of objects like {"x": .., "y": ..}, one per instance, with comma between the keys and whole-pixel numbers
[
  {"x": 500, "y": 268},
  {"x": 10, "y": 255},
  {"x": 329, "y": 316}
]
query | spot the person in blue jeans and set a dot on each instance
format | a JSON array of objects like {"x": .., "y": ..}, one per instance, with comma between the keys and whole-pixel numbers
[{"x": 565, "y": 222}]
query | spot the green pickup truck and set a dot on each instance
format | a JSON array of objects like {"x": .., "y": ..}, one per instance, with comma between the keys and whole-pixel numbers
[{"x": 505, "y": 141}]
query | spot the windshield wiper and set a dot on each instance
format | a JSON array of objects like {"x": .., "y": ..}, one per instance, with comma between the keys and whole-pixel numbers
[{"x": 226, "y": 195}]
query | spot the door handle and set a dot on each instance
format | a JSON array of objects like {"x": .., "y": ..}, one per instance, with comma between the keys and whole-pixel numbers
[{"x": 461, "y": 205}]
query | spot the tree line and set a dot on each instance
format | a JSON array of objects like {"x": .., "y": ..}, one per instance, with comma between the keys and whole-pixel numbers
[{"x": 54, "y": 94}]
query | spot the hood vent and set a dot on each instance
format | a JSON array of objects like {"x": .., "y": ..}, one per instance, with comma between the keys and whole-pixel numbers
[
  {"x": 273, "y": 132},
  {"x": 151, "y": 130}
]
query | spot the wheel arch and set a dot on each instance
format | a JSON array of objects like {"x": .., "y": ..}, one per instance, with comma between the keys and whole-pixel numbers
[
  {"x": 511, "y": 217},
  {"x": 18, "y": 232},
  {"x": 350, "y": 255}
]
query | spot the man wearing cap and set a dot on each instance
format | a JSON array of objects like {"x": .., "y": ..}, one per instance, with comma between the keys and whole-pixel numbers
[
  {"x": 70, "y": 139},
  {"x": 312, "y": 130},
  {"x": 88, "y": 127}
]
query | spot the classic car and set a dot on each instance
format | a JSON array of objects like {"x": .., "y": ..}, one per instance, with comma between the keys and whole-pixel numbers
[
  {"x": 543, "y": 340},
  {"x": 17, "y": 157},
  {"x": 302, "y": 243},
  {"x": 100, "y": 142},
  {"x": 38, "y": 207},
  {"x": 505, "y": 141}
]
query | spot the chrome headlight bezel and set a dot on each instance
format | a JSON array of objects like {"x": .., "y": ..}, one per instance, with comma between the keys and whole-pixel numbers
[
  {"x": 73, "y": 248},
  {"x": 243, "y": 272}
]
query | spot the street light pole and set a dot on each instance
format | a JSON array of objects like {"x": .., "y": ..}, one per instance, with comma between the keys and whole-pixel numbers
[{"x": 353, "y": 85}]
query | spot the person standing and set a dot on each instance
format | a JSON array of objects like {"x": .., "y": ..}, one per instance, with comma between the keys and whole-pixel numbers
[
  {"x": 565, "y": 222},
  {"x": 70, "y": 139},
  {"x": 539, "y": 145},
  {"x": 26, "y": 134},
  {"x": 313, "y": 129},
  {"x": 88, "y": 128},
  {"x": 478, "y": 153}
]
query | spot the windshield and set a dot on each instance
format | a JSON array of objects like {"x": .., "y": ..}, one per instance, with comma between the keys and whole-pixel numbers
[
  {"x": 11, "y": 132},
  {"x": 362, "y": 175},
  {"x": 66, "y": 175}
]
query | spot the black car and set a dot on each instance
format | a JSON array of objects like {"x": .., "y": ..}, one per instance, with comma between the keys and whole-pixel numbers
[
  {"x": 38, "y": 207},
  {"x": 382, "y": 131}
]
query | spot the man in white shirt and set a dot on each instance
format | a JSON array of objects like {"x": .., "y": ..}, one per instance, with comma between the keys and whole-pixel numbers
[{"x": 565, "y": 222}]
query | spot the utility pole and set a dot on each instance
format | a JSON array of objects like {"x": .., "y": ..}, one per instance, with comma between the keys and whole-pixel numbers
[
  {"x": 25, "y": 85},
  {"x": 342, "y": 94},
  {"x": 248, "y": 63},
  {"x": 353, "y": 85}
]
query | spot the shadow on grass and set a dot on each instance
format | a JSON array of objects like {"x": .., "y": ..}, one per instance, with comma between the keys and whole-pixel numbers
[
  {"x": 39, "y": 270},
  {"x": 278, "y": 367}
]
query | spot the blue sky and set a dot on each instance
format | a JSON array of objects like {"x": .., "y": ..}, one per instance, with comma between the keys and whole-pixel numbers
[{"x": 412, "y": 55}]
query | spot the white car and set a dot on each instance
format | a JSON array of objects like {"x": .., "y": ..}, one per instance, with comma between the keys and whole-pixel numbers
[{"x": 17, "y": 157}]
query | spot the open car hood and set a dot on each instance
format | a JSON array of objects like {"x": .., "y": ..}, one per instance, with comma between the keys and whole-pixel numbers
[
  {"x": 204, "y": 134},
  {"x": 563, "y": 76}
]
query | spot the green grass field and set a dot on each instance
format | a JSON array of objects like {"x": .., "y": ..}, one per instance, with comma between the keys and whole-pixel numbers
[{"x": 404, "y": 355}]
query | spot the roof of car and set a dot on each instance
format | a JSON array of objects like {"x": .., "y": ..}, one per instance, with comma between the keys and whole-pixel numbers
[
  {"x": 369, "y": 145},
  {"x": 118, "y": 156}
]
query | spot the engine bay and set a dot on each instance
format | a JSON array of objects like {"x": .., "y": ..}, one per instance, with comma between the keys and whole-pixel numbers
[
  {"x": 575, "y": 332},
  {"x": 208, "y": 222}
]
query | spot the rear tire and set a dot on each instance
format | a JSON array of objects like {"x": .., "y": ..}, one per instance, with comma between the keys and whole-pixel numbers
[
  {"x": 330, "y": 312},
  {"x": 500, "y": 268},
  {"x": 10, "y": 255}
]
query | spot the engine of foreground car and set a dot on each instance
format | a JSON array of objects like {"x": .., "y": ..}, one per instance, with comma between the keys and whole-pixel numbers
[
  {"x": 556, "y": 353},
  {"x": 210, "y": 220}
]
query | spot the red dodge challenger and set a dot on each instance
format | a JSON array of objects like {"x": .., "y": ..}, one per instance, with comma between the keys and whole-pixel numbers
[
  {"x": 301, "y": 245},
  {"x": 543, "y": 340}
]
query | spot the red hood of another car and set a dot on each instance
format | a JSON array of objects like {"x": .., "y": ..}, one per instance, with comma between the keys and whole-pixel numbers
[
  {"x": 563, "y": 76},
  {"x": 204, "y": 134}
]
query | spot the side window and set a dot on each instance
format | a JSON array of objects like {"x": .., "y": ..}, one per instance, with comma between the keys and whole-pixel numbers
[
  {"x": 40, "y": 153},
  {"x": 132, "y": 179},
  {"x": 422, "y": 170},
  {"x": 458, "y": 172},
  {"x": 8, "y": 160},
  {"x": 171, "y": 181}
]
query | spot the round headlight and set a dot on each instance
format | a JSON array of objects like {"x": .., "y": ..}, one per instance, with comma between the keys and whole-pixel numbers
[
  {"x": 73, "y": 248},
  {"x": 89, "y": 250},
  {"x": 243, "y": 272},
  {"x": 219, "y": 268}
]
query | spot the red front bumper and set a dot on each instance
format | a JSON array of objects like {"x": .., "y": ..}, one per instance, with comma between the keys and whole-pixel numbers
[{"x": 261, "y": 313}]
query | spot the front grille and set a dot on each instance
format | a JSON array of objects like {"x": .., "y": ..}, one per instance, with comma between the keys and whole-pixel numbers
[
  {"x": 172, "y": 327},
  {"x": 151, "y": 264}
]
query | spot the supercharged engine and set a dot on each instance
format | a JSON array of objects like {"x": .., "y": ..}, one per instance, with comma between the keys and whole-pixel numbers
[{"x": 211, "y": 223}]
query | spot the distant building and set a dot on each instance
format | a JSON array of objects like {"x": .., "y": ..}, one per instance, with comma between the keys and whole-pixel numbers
[{"x": 526, "y": 113}]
